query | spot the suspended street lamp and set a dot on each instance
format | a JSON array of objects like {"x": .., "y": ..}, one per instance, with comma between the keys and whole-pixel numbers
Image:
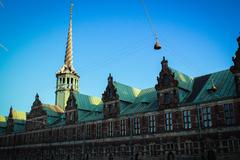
[{"x": 157, "y": 45}]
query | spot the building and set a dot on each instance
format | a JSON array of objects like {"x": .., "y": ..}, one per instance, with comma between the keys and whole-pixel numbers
[{"x": 179, "y": 118}]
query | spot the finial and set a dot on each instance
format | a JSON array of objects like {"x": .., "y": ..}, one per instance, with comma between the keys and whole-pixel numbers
[
  {"x": 164, "y": 61},
  {"x": 71, "y": 8},
  {"x": 110, "y": 78},
  {"x": 37, "y": 96},
  {"x": 11, "y": 112}
]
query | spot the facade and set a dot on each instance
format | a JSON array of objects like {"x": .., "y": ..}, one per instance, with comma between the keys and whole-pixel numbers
[{"x": 179, "y": 118}]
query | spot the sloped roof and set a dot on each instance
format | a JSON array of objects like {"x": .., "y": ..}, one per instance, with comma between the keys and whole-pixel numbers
[
  {"x": 52, "y": 110},
  {"x": 225, "y": 83},
  {"x": 3, "y": 121},
  {"x": 146, "y": 95},
  {"x": 184, "y": 81},
  {"x": 126, "y": 93},
  {"x": 86, "y": 102},
  {"x": 18, "y": 115}
]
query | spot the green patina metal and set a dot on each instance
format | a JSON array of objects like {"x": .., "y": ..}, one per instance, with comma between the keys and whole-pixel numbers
[
  {"x": 224, "y": 81},
  {"x": 134, "y": 100}
]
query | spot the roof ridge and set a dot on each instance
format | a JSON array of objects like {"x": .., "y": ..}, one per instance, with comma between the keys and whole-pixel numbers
[
  {"x": 127, "y": 85},
  {"x": 181, "y": 73},
  {"x": 88, "y": 95},
  {"x": 212, "y": 73}
]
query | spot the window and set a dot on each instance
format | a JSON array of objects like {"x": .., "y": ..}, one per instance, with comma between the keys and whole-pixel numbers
[
  {"x": 167, "y": 98},
  {"x": 136, "y": 123},
  {"x": 71, "y": 80},
  {"x": 152, "y": 124},
  {"x": 110, "y": 93},
  {"x": 166, "y": 80},
  {"x": 123, "y": 127},
  {"x": 63, "y": 80},
  {"x": 88, "y": 130},
  {"x": 99, "y": 130},
  {"x": 187, "y": 119},
  {"x": 168, "y": 122},
  {"x": 229, "y": 114},
  {"x": 207, "y": 119},
  {"x": 110, "y": 107},
  {"x": 71, "y": 114},
  {"x": 60, "y": 80},
  {"x": 67, "y": 80},
  {"x": 110, "y": 129}
]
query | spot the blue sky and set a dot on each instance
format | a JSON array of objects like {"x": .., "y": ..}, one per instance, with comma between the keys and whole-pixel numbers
[{"x": 198, "y": 37}]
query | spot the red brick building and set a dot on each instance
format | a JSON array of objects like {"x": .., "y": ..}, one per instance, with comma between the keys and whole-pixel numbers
[{"x": 181, "y": 117}]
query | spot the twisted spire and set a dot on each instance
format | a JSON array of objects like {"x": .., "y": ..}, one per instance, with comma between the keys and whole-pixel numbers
[{"x": 68, "y": 54}]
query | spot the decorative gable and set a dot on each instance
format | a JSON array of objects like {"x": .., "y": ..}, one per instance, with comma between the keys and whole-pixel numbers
[
  {"x": 110, "y": 99},
  {"x": 71, "y": 109},
  {"x": 236, "y": 60},
  {"x": 235, "y": 69},
  {"x": 167, "y": 91},
  {"x": 10, "y": 122},
  {"x": 37, "y": 118}
]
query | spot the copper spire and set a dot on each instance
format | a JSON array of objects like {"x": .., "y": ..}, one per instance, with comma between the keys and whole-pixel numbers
[{"x": 68, "y": 53}]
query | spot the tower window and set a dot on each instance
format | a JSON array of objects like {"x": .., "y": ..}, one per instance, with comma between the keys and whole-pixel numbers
[
  {"x": 63, "y": 80},
  {"x": 67, "y": 80},
  {"x": 60, "y": 80},
  {"x": 71, "y": 80}
]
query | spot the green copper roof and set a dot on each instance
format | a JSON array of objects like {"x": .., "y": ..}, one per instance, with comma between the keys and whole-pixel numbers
[
  {"x": 86, "y": 102},
  {"x": 3, "y": 121},
  {"x": 17, "y": 115},
  {"x": 126, "y": 93},
  {"x": 52, "y": 110},
  {"x": 224, "y": 81},
  {"x": 84, "y": 116},
  {"x": 184, "y": 81},
  {"x": 146, "y": 95},
  {"x": 139, "y": 108}
]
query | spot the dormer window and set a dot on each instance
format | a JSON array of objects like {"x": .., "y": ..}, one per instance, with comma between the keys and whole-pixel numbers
[
  {"x": 167, "y": 98},
  {"x": 166, "y": 80},
  {"x": 110, "y": 93}
]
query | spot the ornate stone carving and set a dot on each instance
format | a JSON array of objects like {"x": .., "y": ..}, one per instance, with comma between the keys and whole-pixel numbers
[
  {"x": 110, "y": 99},
  {"x": 167, "y": 91},
  {"x": 36, "y": 119},
  {"x": 236, "y": 60},
  {"x": 10, "y": 122},
  {"x": 235, "y": 69},
  {"x": 71, "y": 109}
]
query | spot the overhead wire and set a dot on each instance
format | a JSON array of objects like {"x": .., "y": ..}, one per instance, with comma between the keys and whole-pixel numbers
[
  {"x": 3, "y": 47},
  {"x": 149, "y": 19},
  {"x": 119, "y": 58},
  {"x": 117, "y": 55}
]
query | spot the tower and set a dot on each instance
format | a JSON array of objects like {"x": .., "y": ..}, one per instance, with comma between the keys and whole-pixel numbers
[{"x": 67, "y": 77}]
